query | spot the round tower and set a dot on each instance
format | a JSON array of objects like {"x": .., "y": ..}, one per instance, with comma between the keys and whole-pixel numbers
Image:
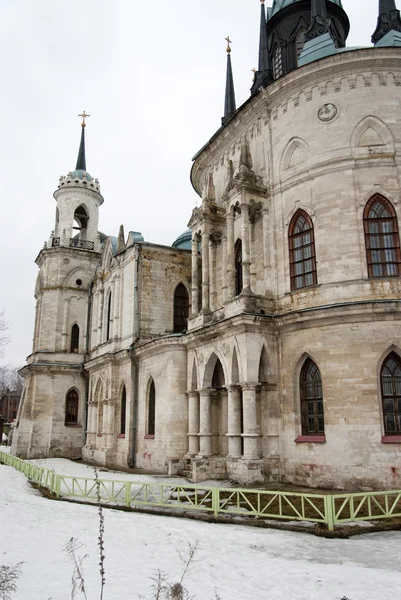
[{"x": 55, "y": 386}]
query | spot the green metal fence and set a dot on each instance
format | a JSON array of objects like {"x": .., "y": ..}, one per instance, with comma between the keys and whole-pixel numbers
[{"x": 330, "y": 509}]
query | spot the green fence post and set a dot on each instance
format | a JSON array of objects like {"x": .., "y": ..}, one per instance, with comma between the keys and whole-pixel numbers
[
  {"x": 216, "y": 501},
  {"x": 329, "y": 510},
  {"x": 58, "y": 485},
  {"x": 128, "y": 494}
]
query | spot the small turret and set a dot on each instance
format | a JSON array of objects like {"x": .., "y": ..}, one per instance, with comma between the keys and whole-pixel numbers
[
  {"x": 78, "y": 200},
  {"x": 263, "y": 76},
  {"x": 388, "y": 25}
]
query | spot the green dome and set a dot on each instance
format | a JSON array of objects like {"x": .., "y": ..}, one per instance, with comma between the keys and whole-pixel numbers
[
  {"x": 183, "y": 242},
  {"x": 279, "y": 4},
  {"x": 80, "y": 174}
]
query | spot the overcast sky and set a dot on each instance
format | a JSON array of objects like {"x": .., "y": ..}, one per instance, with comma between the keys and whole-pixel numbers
[{"x": 152, "y": 76}]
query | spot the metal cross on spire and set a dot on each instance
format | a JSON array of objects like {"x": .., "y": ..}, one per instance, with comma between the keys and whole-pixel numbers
[
  {"x": 229, "y": 42},
  {"x": 84, "y": 117}
]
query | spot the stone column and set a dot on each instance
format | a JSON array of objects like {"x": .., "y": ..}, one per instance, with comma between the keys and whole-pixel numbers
[
  {"x": 195, "y": 282},
  {"x": 91, "y": 431},
  {"x": 246, "y": 247},
  {"x": 205, "y": 272},
  {"x": 110, "y": 425},
  {"x": 250, "y": 434},
  {"x": 64, "y": 335},
  {"x": 266, "y": 249},
  {"x": 230, "y": 254},
  {"x": 116, "y": 307},
  {"x": 193, "y": 423},
  {"x": 205, "y": 424},
  {"x": 100, "y": 317},
  {"x": 212, "y": 275},
  {"x": 224, "y": 268},
  {"x": 223, "y": 450},
  {"x": 234, "y": 421}
]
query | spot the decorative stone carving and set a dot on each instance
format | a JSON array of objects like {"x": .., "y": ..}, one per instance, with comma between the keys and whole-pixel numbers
[{"x": 327, "y": 112}]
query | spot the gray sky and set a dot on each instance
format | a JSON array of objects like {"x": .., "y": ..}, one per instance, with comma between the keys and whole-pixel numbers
[{"x": 152, "y": 76}]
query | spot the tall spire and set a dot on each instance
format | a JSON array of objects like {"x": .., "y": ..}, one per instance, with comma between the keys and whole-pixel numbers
[
  {"x": 263, "y": 76},
  {"x": 389, "y": 20},
  {"x": 229, "y": 106},
  {"x": 81, "y": 161}
]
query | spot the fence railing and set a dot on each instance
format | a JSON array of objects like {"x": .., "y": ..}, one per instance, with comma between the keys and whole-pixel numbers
[{"x": 328, "y": 509}]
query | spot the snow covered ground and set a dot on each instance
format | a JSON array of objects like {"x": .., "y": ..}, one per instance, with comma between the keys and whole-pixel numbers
[{"x": 241, "y": 563}]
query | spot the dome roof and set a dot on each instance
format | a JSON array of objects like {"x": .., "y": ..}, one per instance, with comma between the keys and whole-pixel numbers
[
  {"x": 279, "y": 4},
  {"x": 183, "y": 242}
]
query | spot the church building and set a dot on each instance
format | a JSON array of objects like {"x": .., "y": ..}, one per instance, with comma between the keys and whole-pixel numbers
[{"x": 265, "y": 343}]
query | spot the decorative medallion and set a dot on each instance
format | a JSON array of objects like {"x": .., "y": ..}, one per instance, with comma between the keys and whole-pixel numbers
[{"x": 327, "y": 112}]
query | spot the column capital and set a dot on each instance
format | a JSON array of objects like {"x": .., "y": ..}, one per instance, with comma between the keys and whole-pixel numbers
[
  {"x": 205, "y": 392},
  {"x": 192, "y": 393},
  {"x": 249, "y": 387},
  {"x": 235, "y": 387}
]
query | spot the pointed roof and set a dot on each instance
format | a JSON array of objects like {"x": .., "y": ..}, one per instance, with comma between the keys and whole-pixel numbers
[
  {"x": 81, "y": 160},
  {"x": 263, "y": 75},
  {"x": 229, "y": 105},
  {"x": 389, "y": 21}
]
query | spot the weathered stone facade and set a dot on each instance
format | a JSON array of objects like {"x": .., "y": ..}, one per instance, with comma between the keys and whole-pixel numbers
[{"x": 222, "y": 397}]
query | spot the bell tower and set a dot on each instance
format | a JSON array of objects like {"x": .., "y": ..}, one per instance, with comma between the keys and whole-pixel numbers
[{"x": 52, "y": 416}]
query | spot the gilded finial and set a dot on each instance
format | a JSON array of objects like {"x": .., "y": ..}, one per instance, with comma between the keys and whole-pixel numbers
[
  {"x": 84, "y": 116},
  {"x": 229, "y": 42}
]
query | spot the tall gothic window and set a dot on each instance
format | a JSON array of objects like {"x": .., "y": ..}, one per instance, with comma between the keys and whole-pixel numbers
[
  {"x": 312, "y": 413},
  {"x": 302, "y": 252},
  {"x": 391, "y": 394},
  {"x": 108, "y": 324},
  {"x": 74, "y": 347},
  {"x": 300, "y": 42},
  {"x": 238, "y": 268},
  {"x": 123, "y": 412},
  {"x": 71, "y": 408},
  {"x": 152, "y": 409},
  {"x": 181, "y": 308},
  {"x": 382, "y": 238},
  {"x": 277, "y": 62}
]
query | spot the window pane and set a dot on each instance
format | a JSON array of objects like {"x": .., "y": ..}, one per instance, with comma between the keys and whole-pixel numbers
[{"x": 382, "y": 239}]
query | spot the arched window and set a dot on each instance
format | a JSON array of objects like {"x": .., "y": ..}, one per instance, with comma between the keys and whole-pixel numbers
[
  {"x": 311, "y": 399},
  {"x": 71, "y": 408},
  {"x": 123, "y": 412},
  {"x": 302, "y": 252},
  {"x": 108, "y": 323},
  {"x": 382, "y": 238},
  {"x": 181, "y": 308},
  {"x": 391, "y": 394},
  {"x": 277, "y": 62},
  {"x": 238, "y": 268},
  {"x": 300, "y": 42},
  {"x": 151, "y": 409},
  {"x": 74, "y": 338}
]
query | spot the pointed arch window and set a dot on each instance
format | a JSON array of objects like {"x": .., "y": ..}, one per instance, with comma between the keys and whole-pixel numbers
[
  {"x": 181, "y": 308},
  {"x": 277, "y": 62},
  {"x": 108, "y": 323},
  {"x": 74, "y": 346},
  {"x": 300, "y": 42},
  {"x": 302, "y": 252},
  {"x": 311, "y": 392},
  {"x": 238, "y": 268},
  {"x": 123, "y": 412},
  {"x": 151, "y": 410},
  {"x": 391, "y": 394},
  {"x": 71, "y": 408},
  {"x": 382, "y": 238}
]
